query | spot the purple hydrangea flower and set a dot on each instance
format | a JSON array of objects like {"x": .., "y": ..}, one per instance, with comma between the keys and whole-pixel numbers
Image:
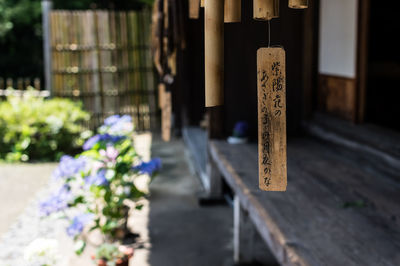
[
  {"x": 122, "y": 126},
  {"x": 69, "y": 166},
  {"x": 149, "y": 167},
  {"x": 117, "y": 120},
  {"x": 91, "y": 142},
  {"x": 78, "y": 223},
  {"x": 240, "y": 129},
  {"x": 111, "y": 120},
  {"x": 56, "y": 202},
  {"x": 101, "y": 137},
  {"x": 110, "y": 153},
  {"x": 98, "y": 179}
]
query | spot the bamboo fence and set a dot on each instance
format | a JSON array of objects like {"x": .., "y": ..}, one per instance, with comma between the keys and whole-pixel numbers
[{"x": 103, "y": 58}]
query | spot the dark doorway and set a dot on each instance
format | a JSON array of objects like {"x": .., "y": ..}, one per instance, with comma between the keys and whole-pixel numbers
[{"x": 383, "y": 81}]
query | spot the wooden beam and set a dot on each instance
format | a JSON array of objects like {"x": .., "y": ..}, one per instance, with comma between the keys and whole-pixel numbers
[{"x": 310, "y": 58}]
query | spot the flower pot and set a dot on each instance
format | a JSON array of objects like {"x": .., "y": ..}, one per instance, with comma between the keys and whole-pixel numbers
[
  {"x": 120, "y": 262},
  {"x": 123, "y": 261}
]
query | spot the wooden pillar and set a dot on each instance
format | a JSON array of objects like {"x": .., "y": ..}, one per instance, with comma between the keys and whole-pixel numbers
[
  {"x": 166, "y": 116},
  {"x": 265, "y": 9},
  {"x": 233, "y": 11},
  {"x": 214, "y": 52}
]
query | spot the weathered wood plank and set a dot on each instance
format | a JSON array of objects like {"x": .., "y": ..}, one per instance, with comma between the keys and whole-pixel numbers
[
  {"x": 271, "y": 72},
  {"x": 307, "y": 225}
]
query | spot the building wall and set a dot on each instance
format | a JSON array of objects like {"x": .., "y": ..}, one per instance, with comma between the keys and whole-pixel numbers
[
  {"x": 338, "y": 38},
  {"x": 338, "y": 33}
]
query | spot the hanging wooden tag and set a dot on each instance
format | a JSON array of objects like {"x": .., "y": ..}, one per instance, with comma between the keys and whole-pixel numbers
[
  {"x": 194, "y": 9},
  {"x": 202, "y": 3},
  {"x": 166, "y": 114},
  {"x": 161, "y": 92},
  {"x": 265, "y": 9},
  {"x": 233, "y": 11},
  {"x": 214, "y": 52},
  {"x": 271, "y": 75},
  {"x": 298, "y": 4}
]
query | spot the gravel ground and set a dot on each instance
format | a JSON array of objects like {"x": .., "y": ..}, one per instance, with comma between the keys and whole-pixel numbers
[
  {"x": 27, "y": 227},
  {"x": 19, "y": 184}
]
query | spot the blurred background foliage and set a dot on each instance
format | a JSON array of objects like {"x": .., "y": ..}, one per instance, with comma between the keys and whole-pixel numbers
[
  {"x": 32, "y": 128},
  {"x": 21, "y": 52}
]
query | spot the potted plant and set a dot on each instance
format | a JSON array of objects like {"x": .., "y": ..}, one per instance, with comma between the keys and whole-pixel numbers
[
  {"x": 113, "y": 255},
  {"x": 97, "y": 187}
]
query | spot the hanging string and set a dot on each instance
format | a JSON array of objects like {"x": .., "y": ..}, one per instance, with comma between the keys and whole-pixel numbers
[{"x": 269, "y": 33}]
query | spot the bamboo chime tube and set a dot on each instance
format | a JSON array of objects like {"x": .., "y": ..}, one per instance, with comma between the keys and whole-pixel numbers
[
  {"x": 265, "y": 9},
  {"x": 298, "y": 4},
  {"x": 194, "y": 9},
  {"x": 233, "y": 11},
  {"x": 214, "y": 52}
]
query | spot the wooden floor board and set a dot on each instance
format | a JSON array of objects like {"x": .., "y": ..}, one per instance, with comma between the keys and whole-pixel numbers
[{"x": 308, "y": 224}]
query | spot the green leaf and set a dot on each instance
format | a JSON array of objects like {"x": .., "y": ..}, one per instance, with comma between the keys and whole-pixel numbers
[{"x": 79, "y": 247}]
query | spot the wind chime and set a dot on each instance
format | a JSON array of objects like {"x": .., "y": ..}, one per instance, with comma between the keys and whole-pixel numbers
[{"x": 271, "y": 82}]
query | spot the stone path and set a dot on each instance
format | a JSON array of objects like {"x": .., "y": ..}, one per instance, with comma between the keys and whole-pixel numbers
[
  {"x": 173, "y": 229},
  {"x": 19, "y": 184}
]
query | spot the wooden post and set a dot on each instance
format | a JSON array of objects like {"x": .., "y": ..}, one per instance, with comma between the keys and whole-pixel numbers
[
  {"x": 271, "y": 74},
  {"x": 214, "y": 185},
  {"x": 298, "y": 4},
  {"x": 166, "y": 114},
  {"x": 214, "y": 52},
  {"x": 248, "y": 246},
  {"x": 46, "y": 8},
  {"x": 161, "y": 93},
  {"x": 194, "y": 9},
  {"x": 265, "y": 9},
  {"x": 233, "y": 11}
]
